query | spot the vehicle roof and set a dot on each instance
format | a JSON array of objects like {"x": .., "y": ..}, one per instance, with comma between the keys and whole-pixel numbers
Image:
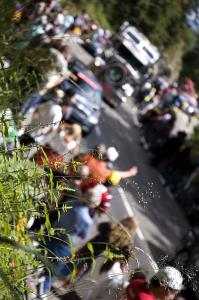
[
  {"x": 78, "y": 67},
  {"x": 138, "y": 41}
]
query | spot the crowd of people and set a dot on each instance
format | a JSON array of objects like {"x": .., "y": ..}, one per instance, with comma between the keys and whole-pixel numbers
[
  {"x": 169, "y": 118},
  {"x": 55, "y": 146}
]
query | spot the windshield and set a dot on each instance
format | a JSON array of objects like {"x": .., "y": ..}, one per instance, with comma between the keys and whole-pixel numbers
[
  {"x": 85, "y": 90},
  {"x": 130, "y": 58}
]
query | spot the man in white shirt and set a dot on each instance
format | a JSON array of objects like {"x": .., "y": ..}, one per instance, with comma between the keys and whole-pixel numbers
[{"x": 42, "y": 121}]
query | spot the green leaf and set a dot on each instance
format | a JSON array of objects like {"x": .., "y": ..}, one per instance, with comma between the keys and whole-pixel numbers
[
  {"x": 90, "y": 248},
  {"x": 52, "y": 231},
  {"x": 48, "y": 224}
]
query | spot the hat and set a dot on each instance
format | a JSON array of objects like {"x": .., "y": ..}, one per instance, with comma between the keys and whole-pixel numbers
[
  {"x": 112, "y": 154},
  {"x": 170, "y": 277}
]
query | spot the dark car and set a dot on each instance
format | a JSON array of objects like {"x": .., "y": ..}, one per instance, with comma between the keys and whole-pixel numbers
[
  {"x": 88, "y": 93},
  {"x": 115, "y": 79}
]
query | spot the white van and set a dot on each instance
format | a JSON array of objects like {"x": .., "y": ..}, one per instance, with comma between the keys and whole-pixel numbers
[
  {"x": 135, "y": 49},
  {"x": 135, "y": 41}
]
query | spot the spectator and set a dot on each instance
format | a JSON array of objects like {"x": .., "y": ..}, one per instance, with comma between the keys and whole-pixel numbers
[
  {"x": 100, "y": 196},
  {"x": 73, "y": 224},
  {"x": 66, "y": 139},
  {"x": 116, "y": 235},
  {"x": 98, "y": 168},
  {"x": 55, "y": 68},
  {"x": 111, "y": 287},
  {"x": 43, "y": 120},
  {"x": 165, "y": 285},
  {"x": 70, "y": 101}
]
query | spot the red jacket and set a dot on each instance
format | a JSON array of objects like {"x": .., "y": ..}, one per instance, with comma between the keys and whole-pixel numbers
[{"x": 138, "y": 290}]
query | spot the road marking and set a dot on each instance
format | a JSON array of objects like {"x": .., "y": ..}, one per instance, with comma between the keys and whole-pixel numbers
[
  {"x": 129, "y": 211},
  {"x": 140, "y": 234},
  {"x": 126, "y": 202},
  {"x": 98, "y": 131}
]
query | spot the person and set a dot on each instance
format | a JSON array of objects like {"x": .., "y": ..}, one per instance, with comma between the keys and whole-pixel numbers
[
  {"x": 60, "y": 145},
  {"x": 100, "y": 197},
  {"x": 111, "y": 287},
  {"x": 74, "y": 223},
  {"x": 42, "y": 120},
  {"x": 66, "y": 139},
  {"x": 70, "y": 100},
  {"x": 115, "y": 236},
  {"x": 98, "y": 170},
  {"x": 169, "y": 149},
  {"x": 55, "y": 69},
  {"x": 164, "y": 285}
]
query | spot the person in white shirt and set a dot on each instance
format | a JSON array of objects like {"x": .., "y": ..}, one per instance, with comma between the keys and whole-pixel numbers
[
  {"x": 41, "y": 121},
  {"x": 66, "y": 139},
  {"x": 115, "y": 279}
]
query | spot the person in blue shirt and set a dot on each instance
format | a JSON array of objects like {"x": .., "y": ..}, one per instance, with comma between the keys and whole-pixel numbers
[{"x": 75, "y": 223}]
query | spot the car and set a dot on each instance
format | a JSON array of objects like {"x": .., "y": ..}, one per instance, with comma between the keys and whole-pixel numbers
[
  {"x": 88, "y": 93},
  {"x": 136, "y": 50},
  {"x": 115, "y": 79}
]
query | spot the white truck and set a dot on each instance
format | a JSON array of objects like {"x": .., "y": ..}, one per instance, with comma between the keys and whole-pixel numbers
[
  {"x": 136, "y": 49},
  {"x": 127, "y": 63}
]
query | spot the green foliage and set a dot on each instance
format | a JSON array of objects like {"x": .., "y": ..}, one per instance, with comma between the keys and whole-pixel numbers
[
  {"x": 110, "y": 255},
  {"x": 161, "y": 21},
  {"x": 20, "y": 183},
  {"x": 20, "y": 62},
  {"x": 91, "y": 249},
  {"x": 191, "y": 64}
]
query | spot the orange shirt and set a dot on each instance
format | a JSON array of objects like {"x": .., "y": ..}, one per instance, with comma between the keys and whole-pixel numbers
[{"x": 98, "y": 171}]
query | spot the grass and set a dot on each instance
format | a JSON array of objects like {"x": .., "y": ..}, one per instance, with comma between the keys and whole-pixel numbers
[{"x": 174, "y": 55}]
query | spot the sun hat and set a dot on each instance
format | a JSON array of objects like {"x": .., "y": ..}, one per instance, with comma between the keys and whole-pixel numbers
[
  {"x": 112, "y": 154},
  {"x": 170, "y": 277}
]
